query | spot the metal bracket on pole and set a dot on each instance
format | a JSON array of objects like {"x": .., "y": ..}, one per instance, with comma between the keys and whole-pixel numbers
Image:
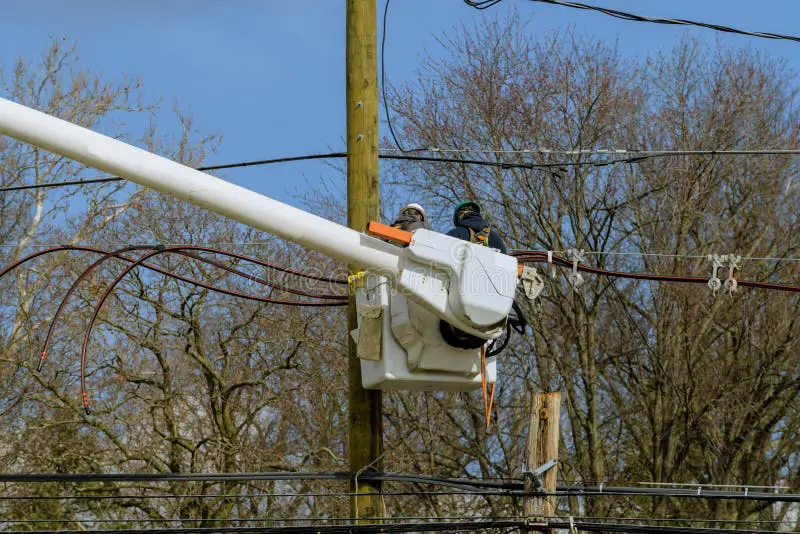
[
  {"x": 534, "y": 484},
  {"x": 535, "y": 477}
]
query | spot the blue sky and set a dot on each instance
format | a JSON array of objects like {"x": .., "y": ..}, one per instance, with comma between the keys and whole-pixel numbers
[{"x": 269, "y": 74}]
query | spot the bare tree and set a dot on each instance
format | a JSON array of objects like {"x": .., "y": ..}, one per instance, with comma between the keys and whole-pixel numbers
[{"x": 662, "y": 383}]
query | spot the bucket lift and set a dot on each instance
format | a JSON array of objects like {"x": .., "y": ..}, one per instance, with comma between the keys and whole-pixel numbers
[
  {"x": 399, "y": 334},
  {"x": 408, "y": 293}
]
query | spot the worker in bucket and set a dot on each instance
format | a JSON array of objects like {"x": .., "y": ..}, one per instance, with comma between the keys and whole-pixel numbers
[
  {"x": 411, "y": 217},
  {"x": 470, "y": 225}
]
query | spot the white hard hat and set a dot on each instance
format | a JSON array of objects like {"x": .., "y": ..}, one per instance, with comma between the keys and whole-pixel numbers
[{"x": 417, "y": 207}]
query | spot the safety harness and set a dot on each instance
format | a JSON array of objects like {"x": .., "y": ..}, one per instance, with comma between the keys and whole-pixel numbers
[{"x": 481, "y": 238}]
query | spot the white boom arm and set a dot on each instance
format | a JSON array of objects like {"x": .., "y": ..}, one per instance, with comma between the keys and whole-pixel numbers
[{"x": 467, "y": 285}]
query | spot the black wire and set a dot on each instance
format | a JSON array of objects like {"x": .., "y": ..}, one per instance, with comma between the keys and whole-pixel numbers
[
  {"x": 485, "y": 4},
  {"x": 330, "y": 155},
  {"x": 310, "y": 529},
  {"x": 512, "y": 487},
  {"x": 493, "y": 351},
  {"x": 383, "y": 84},
  {"x": 657, "y": 20},
  {"x": 420, "y": 526},
  {"x": 58, "y": 184},
  {"x": 505, "y": 165},
  {"x": 203, "y": 168},
  {"x": 647, "y": 529},
  {"x": 279, "y": 494}
]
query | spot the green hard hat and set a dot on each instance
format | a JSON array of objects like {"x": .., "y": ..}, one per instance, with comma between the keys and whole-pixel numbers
[{"x": 466, "y": 203}]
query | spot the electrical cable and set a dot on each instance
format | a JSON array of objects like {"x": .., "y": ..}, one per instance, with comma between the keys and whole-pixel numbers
[
  {"x": 658, "y": 20},
  {"x": 167, "y": 496},
  {"x": 332, "y": 155},
  {"x": 394, "y": 518},
  {"x": 118, "y": 255},
  {"x": 655, "y": 153},
  {"x": 516, "y": 165},
  {"x": 670, "y": 255},
  {"x": 383, "y": 526},
  {"x": 493, "y": 350},
  {"x": 297, "y": 519},
  {"x": 541, "y": 257},
  {"x": 645, "y": 529},
  {"x": 202, "y": 168},
  {"x": 379, "y": 527},
  {"x": 482, "y": 4},
  {"x": 133, "y": 265},
  {"x": 515, "y": 488},
  {"x": 383, "y": 82},
  {"x": 158, "y": 249}
]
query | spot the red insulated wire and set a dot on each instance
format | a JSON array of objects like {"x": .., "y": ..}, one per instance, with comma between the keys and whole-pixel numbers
[
  {"x": 72, "y": 288},
  {"x": 541, "y": 257},
  {"x": 251, "y": 277},
  {"x": 117, "y": 254},
  {"x": 141, "y": 261}
]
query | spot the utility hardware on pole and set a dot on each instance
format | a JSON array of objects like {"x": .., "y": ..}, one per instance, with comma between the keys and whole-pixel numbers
[
  {"x": 365, "y": 418},
  {"x": 542, "y": 457}
]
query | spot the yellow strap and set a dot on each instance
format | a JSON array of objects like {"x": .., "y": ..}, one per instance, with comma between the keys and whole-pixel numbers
[{"x": 356, "y": 280}]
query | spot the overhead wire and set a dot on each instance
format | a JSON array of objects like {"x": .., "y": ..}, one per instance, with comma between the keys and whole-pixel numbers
[
  {"x": 277, "y": 494},
  {"x": 326, "y": 300},
  {"x": 164, "y": 250},
  {"x": 332, "y": 300},
  {"x": 612, "y": 151},
  {"x": 383, "y": 82},
  {"x": 522, "y": 256},
  {"x": 541, "y": 257},
  {"x": 118, "y": 254},
  {"x": 657, "y": 20},
  {"x": 511, "y": 487},
  {"x": 203, "y": 168},
  {"x": 334, "y": 155},
  {"x": 381, "y": 526},
  {"x": 633, "y": 156},
  {"x": 387, "y": 526}
]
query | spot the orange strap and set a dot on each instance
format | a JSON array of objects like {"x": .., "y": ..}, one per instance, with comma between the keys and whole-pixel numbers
[
  {"x": 488, "y": 397},
  {"x": 401, "y": 237}
]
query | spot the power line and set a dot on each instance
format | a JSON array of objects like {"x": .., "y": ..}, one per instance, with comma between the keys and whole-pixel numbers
[
  {"x": 329, "y": 494},
  {"x": 658, "y": 20},
  {"x": 180, "y": 250},
  {"x": 394, "y": 518},
  {"x": 633, "y": 156},
  {"x": 659, "y": 255},
  {"x": 149, "y": 252},
  {"x": 514, "y": 488},
  {"x": 166, "y": 244},
  {"x": 318, "y": 528},
  {"x": 482, "y": 4},
  {"x": 542, "y": 257},
  {"x": 420, "y": 526},
  {"x": 332, "y": 155},
  {"x": 613, "y": 151},
  {"x": 203, "y": 168},
  {"x": 296, "y": 519},
  {"x": 241, "y": 164},
  {"x": 383, "y": 81}
]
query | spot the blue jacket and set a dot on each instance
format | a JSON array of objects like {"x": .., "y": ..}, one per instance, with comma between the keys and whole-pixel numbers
[{"x": 477, "y": 223}]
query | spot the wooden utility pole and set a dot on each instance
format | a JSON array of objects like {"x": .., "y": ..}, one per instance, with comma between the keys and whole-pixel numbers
[
  {"x": 365, "y": 425},
  {"x": 543, "y": 439}
]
